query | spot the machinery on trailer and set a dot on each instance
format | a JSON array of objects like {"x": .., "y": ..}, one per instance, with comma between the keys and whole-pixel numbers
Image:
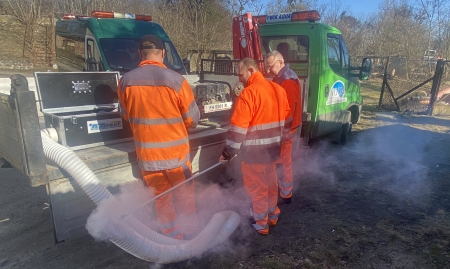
[{"x": 80, "y": 113}]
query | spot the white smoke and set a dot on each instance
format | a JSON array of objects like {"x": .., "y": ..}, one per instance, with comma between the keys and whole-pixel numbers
[
  {"x": 130, "y": 196},
  {"x": 210, "y": 199},
  {"x": 389, "y": 157}
]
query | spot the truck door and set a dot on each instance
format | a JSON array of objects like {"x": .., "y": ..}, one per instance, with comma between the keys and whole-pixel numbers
[
  {"x": 92, "y": 55},
  {"x": 340, "y": 89}
]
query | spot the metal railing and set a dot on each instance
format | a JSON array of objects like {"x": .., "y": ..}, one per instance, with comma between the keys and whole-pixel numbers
[{"x": 229, "y": 67}]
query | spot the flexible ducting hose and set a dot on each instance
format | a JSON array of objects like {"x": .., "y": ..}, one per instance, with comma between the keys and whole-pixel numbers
[{"x": 129, "y": 233}]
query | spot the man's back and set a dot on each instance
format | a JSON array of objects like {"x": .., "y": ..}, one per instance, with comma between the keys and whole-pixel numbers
[
  {"x": 269, "y": 104},
  {"x": 262, "y": 109},
  {"x": 160, "y": 106}
]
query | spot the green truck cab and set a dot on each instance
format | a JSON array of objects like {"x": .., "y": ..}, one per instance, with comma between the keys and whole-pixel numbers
[
  {"x": 108, "y": 41},
  {"x": 318, "y": 54}
]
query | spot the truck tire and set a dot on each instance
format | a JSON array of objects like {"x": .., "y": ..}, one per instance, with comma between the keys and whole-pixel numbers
[{"x": 345, "y": 132}]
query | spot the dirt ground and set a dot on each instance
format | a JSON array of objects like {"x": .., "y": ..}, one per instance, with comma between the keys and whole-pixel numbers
[{"x": 381, "y": 201}]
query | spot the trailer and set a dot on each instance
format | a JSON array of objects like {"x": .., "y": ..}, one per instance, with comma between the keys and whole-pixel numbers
[{"x": 80, "y": 110}]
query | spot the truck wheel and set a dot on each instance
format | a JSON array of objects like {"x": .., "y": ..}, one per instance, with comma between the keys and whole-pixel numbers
[{"x": 345, "y": 132}]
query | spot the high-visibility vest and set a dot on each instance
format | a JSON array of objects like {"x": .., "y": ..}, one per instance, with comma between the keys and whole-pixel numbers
[
  {"x": 160, "y": 107},
  {"x": 291, "y": 84},
  {"x": 260, "y": 119}
]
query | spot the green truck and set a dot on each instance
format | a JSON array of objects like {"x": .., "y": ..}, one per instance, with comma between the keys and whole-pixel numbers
[
  {"x": 318, "y": 54},
  {"x": 109, "y": 41}
]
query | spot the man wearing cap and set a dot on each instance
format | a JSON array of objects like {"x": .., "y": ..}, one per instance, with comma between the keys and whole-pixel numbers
[{"x": 160, "y": 107}]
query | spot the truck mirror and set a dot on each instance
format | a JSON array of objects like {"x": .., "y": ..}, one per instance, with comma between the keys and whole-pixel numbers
[
  {"x": 366, "y": 67},
  {"x": 92, "y": 64}
]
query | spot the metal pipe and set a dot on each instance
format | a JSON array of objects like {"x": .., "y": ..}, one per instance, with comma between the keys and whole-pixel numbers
[{"x": 175, "y": 187}]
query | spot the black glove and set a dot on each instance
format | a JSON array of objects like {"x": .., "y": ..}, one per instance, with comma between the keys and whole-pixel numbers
[{"x": 226, "y": 155}]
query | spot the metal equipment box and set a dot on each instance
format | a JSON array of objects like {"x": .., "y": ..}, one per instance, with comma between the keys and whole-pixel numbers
[{"x": 82, "y": 107}]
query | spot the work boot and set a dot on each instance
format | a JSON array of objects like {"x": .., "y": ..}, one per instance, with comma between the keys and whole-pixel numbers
[
  {"x": 271, "y": 223},
  {"x": 287, "y": 201},
  {"x": 284, "y": 201},
  {"x": 264, "y": 233}
]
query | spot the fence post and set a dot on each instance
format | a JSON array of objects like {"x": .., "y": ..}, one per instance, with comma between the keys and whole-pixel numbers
[
  {"x": 436, "y": 83},
  {"x": 201, "y": 74},
  {"x": 384, "y": 82}
]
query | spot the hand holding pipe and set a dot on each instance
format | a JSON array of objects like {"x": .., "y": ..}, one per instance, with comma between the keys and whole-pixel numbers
[{"x": 175, "y": 187}]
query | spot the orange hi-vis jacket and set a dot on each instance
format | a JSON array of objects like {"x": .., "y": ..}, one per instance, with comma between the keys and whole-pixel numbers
[
  {"x": 160, "y": 107},
  {"x": 290, "y": 82},
  {"x": 260, "y": 119}
]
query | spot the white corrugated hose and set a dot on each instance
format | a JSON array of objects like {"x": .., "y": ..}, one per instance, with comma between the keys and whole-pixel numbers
[{"x": 129, "y": 233}]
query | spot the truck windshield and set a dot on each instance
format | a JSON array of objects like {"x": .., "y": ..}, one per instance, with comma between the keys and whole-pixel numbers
[{"x": 122, "y": 54}]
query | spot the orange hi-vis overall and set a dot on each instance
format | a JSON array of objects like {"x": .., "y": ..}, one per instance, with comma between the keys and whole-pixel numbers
[
  {"x": 291, "y": 84},
  {"x": 160, "y": 107},
  {"x": 260, "y": 118}
]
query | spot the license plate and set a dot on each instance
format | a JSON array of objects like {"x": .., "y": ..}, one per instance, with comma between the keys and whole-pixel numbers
[{"x": 217, "y": 107}]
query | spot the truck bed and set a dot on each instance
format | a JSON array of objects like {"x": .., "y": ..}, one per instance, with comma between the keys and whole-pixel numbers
[{"x": 114, "y": 164}]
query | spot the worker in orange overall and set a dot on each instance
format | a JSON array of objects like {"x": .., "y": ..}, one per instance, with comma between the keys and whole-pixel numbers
[
  {"x": 260, "y": 119},
  {"x": 286, "y": 77},
  {"x": 160, "y": 107}
]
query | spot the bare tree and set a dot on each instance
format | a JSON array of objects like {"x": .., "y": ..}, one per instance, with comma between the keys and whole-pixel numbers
[
  {"x": 331, "y": 11},
  {"x": 257, "y": 7},
  {"x": 78, "y": 7},
  {"x": 199, "y": 25},
  {"x": 29, "y": 13},
  {"x": 83, "y": 7},
  {"x": 444, "y": 44},
  {"x": 283, "y": 6},
  {"x": 400, "y": 31},
  {"x": 430, "y": 12}
]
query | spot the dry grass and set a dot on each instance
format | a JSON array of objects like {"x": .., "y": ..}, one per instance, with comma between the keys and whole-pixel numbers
[
  {"x": 370, "y": 91},
  {"x": 441, "y": 110}
]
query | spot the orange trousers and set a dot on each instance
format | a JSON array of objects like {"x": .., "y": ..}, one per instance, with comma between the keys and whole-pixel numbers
[
  {"x": 286, "y": 178},
  {"x": 260, "y": 183},
  {"x": 175, "y": 211}
]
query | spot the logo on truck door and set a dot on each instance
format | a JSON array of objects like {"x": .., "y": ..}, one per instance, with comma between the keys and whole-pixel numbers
[{"x": 337, "y": 93}]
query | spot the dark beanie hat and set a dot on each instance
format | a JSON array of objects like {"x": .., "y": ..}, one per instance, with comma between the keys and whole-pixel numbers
[{"x": 151, "y": 42}]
